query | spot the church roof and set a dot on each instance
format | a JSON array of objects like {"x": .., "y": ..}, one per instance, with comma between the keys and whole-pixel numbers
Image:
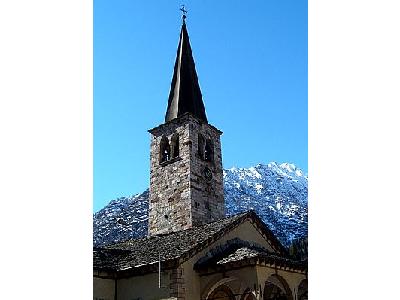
[
  {"x": 185, "y": 95},
  {"x": 142, "y": 255},
  {"x": 241, "y": 253}
]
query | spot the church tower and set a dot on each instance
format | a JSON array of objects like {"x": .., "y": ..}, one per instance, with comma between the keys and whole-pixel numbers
[{"x": 186, "y": 180}]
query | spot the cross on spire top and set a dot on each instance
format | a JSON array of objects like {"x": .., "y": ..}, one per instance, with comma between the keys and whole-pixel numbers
[{"x": 184, "y": 11}]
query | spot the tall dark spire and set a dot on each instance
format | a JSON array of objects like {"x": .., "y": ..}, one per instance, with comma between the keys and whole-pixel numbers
[{"x": 185, "y": 95}]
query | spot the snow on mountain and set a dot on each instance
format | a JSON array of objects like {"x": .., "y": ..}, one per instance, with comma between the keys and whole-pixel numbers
[
  {"x": 277, "y": 193},
  {"x": 121, "y": 219}
]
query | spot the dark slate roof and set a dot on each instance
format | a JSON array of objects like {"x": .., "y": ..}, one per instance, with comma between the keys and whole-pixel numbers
[
  {"x": 185, "y": 95},
  {"x": 108, "y": 258},
  {"x": 246, "y": 256},
  {"x": 239, "y": 253},
  {"x": 180, "y": 245}
]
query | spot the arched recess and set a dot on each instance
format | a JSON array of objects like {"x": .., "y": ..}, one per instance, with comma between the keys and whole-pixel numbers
[
  {"x": 209, "y": 151},
  {"x": 212, "y": 286},
  {"x": 223, "y": 292},
  {"x": 276, "y": 288},
  {"x": 302, "y": 290},
  {"x": 248, "y": 295},
  {"x": 165, "y": 150},
  {"x": 201, "y": 143},
  {"x": 175, "y": 145}
]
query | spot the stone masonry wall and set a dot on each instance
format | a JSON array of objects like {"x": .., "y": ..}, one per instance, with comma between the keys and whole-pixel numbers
[
  {"x": 181, "y": 195},
  {"x": 207, "y": 195},
  {"x": 177, "y": 284}
]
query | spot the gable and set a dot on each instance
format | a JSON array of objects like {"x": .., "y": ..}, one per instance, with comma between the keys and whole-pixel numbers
[
  {"x": 245, "y": 232},
  {"x": 248, "y": 231}
]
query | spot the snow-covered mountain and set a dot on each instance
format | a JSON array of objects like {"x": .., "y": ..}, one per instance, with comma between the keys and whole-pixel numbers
[{"x": 277, "y": 192}]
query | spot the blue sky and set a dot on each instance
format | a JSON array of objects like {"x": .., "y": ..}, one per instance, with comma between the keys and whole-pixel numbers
[{"x": 251, "y": 60}]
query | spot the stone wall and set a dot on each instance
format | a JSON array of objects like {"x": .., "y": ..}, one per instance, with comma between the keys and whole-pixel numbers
[
  {"x": 207, "y": 193},
  {"x": 181, "y": 194},
  {"x": 177, "y": 284}
]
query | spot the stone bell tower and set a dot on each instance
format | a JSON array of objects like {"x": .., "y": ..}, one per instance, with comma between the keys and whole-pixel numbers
[{"x": 186, "y": 180}]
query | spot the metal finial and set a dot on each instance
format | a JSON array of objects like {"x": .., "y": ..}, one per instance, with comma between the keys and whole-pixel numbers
[{"x": 184, "y": 11}]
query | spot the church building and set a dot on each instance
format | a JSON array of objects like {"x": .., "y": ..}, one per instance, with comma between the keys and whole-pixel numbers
[{"x": 193, "y": 251}]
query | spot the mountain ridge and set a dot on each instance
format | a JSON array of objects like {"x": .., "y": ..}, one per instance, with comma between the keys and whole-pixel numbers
[{"x": 278, "y": 193}]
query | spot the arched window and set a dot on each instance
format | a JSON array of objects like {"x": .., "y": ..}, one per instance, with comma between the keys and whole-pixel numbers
[
  {"x": 209, "y": 151},
  {"x": 175, "y": 145},
  {"x": 165, "y": 150},
  {"x": 276, "y": 288},
  {"x": 222, "y": 292},
  {"x": 200, "y": 145}
]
